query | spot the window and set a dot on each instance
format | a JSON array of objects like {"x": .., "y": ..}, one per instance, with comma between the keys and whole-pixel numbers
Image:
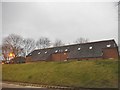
[
  {"x": 108, "y": 45},
  {"x": 30, "y": 54},
  {"x": 90, "y": 47},
  {"x": 45, "y": 52},
  {"x": 56, "y": 51},
  {"x": 38, "y": 52},
  {"x": 79, "y": 48},
  {"x": 66, "y": 50}
]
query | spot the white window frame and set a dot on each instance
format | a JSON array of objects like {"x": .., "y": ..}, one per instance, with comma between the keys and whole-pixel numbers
[
  {"x": 108, "y": 45},
  {"x": 90, "y": 47},
  {"x": 56, "y": 51},
  {"x": 79, "y": 49},
  {"x": 46, "y": 52},
  {"x": 39, "y": 52},
  {"x": 66, "y": 49}
]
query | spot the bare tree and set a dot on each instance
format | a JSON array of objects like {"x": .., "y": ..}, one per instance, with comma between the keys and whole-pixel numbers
[
  {"x": 28, "y": 46},
  {"x": 43, "y": 42},
  {"x": 13, "y": 44},
  {"x": 57, "y": 43},
  {"x": 1, "y": 56},
  {"x": 81, "y": 40}
]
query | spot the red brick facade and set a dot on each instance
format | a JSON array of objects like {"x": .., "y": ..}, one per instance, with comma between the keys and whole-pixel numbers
[
  {"x": 59, "y": 56},
  {"x": 110, "y": 53}
]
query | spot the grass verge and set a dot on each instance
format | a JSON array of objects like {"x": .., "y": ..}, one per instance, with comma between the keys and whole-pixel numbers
[{"x": 88, "y": 74}]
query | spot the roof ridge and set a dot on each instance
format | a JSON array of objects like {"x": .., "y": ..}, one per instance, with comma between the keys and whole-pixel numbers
[{"x": 76, "y": 44}]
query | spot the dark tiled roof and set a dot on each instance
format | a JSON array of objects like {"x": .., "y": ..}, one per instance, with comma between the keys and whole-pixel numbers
[{"x": 84, "y": 50}]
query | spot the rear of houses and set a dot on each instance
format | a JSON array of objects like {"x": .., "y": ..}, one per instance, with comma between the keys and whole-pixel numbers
[{"x": 106, "y": 49}]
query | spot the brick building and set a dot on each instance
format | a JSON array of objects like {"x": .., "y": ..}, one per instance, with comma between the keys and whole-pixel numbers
[{"x": 106, "y": 49}]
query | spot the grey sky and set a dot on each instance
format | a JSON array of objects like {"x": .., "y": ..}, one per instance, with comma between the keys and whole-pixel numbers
[{"x": 63, "y": 20}]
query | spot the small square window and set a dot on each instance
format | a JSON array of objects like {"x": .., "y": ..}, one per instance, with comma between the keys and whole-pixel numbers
[
  {"x": 108, "y": 45},
  {"x": 56, "y": 51},
  {"x": 90, "y": 47},
  {"x": 66, "y": 49},
  {"x": 79, "y": 48},
  {"x": 45, "y": 52},
  {"x": 38, "y": 52}
]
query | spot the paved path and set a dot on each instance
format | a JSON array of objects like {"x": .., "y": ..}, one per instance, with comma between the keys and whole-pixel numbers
[{"x": 5, "y": 85}]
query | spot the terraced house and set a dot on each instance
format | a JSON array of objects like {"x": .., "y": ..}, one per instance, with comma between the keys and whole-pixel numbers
[{"x": 106, "y": 49}]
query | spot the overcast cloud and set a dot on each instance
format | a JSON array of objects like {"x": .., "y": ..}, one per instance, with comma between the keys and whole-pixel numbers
[{"x": 63, "y": 20}]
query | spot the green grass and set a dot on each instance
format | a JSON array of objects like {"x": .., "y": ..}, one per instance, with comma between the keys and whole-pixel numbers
[{"x": 93, "y": 73}]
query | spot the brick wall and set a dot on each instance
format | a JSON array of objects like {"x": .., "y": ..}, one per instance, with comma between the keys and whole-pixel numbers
[
  {"x": 59, "y": 56},
  {"x": 110, "y": 53}
]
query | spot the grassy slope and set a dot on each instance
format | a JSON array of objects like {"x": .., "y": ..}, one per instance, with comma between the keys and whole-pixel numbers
[{"x": 99, "y": 73}]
